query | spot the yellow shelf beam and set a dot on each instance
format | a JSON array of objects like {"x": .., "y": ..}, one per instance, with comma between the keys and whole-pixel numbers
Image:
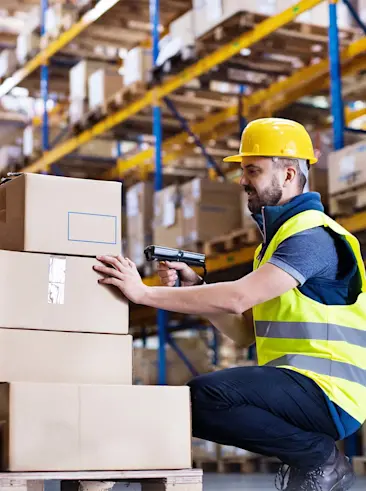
[
  {"x": 280, "y": 94},
  {"x": 45, "y": 54},
  {"x": 226, "y": 52}
]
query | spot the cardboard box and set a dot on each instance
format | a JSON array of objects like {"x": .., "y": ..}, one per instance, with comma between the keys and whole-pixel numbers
[
  {"x": 145, "y": 362},
  {"x": 210, "y": 209},
  {"x": 211, "y": 192},
  {"x": 139, "y": 212},
  {"x": 168, "y": 218},
  {"x": 59, "y": 18},
  {"x": 137, "y": 66},
  {"x": 61, "y": 215},
  {"x": 99, "y": 148},
  {"x": 77, "y": 109},
  {"x": 207, "y": 14},
  {"x": 101, "y": 86},
  {"x": 233, "y": 7},
  {"x": 346, "y": 168},
  {"x": 183, "y": 29},
  {"x": 59, "y": 427},
  {"x": 204, "y": 222},
  {"x": 8, "y": 62},
  {"x": 64, "y": 357},
  {"x": 41, "y": 291},
  {"x": 27, "y": 46},
  {"x": 9, "y": 156},
  {"x": 78, "y": 78}
]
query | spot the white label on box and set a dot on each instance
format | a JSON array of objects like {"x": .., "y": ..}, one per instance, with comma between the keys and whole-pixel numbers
[
  {"x": 347, "y": 165},
  {"x": 169, "y": 214},
  {"x": 180, "y": 241},
  {"x": 56, "y": 280},
  {"x": 92, "y": 227}
]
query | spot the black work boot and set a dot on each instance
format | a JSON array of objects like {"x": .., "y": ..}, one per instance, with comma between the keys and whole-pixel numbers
[{"x": 335, "y": 475}]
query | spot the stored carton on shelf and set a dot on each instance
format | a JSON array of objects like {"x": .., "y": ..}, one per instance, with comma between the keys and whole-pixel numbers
[
  {"x": 59, "y": 427},
  {"x": 64, "y": 357},
  {"x": 168, "y": 218},
  {"x": 346, "y": 168},
  {"x": 103, "y": 84},
  {"x": 60, "y": 215},
  {"x": 78, "y": 78},
  {"x": 139, "y": 214},
  {"x": 58, "y": 293},
  {"x": 210, "y": 209}
]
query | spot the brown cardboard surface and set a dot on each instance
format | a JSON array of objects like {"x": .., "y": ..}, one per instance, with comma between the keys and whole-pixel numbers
[
  {"x": 205, "y": 221},
  {"x": 171, "y": 236},
  {"x": 211, "y": 192},
  {"x": 145, "y": 362},
  {"x": 139, "y": 211},
  {"x": 64, "y": 357},
  {"x": 60, "y": 215},
  {"x": 58, "y": 293},
  {"x": 57, "y": 427},
  {"x": 346, "y": 168}
]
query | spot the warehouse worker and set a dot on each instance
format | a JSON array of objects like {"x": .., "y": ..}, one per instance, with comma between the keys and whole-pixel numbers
[{"x": 307, "y": 298}]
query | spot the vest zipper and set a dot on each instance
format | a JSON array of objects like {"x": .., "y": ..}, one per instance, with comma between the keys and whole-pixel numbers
[{"x": 264, "y": 226}]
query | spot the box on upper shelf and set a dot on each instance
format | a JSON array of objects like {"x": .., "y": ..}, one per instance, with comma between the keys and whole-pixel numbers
[
  {"x": 168, "y": 218},
  {"x": 60, "y": 427},
  {"x": 103, "y": 84},
  {"x": 210, "y": 209},
  {"x": 65, "y": 357},
  {"x": 139, "y": 216},
  {"x": 58, "y": 293},
  {"x": 60, "y": 215}
]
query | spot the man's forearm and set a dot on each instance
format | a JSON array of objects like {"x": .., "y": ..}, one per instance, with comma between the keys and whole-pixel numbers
[
  {"x": 218, "y": 298},
  {"x": 239, "y": 328}
]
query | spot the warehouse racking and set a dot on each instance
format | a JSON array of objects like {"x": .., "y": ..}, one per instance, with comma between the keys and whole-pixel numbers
[{"x": 346, "y": 56}]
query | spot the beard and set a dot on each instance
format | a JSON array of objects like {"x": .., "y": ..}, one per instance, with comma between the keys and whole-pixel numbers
[{"x": 269, "y": 196}]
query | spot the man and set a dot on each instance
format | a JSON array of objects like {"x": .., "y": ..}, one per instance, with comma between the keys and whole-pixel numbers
[{"x": 306, "y": 296}]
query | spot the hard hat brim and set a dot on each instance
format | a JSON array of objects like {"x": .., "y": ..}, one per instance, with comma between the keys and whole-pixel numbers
[{"x": 239, "y": 157}]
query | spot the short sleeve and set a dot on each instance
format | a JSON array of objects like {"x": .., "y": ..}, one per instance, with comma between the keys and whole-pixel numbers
[{"x": 308, "y": 254}]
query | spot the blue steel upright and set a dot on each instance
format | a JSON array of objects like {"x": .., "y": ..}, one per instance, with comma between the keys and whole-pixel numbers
[
  {"x": 44, "y": 83},
  {"x": 335, "y": 78},
  {"x": 162, "y": 315},
  {"x": 337, "y": 109}
]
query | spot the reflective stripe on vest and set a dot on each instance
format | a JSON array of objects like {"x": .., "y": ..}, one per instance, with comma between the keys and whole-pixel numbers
[
  {"x": 323, "y": 366},
  {"x": 310, "y": 330}
]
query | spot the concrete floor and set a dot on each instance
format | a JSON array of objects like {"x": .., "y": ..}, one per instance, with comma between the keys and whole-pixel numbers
[{"x": 262, "y": 482}]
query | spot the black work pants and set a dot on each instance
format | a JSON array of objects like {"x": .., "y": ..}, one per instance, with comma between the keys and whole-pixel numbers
[{"x": 266, "y": 410}]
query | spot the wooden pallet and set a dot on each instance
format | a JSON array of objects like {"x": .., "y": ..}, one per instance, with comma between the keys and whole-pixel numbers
[
  {"x": 180, "y": 480},
  {"x": 359, "y": 465},
  {"x": 348, "y": 203},
  {"x": 232, "y": 241}
]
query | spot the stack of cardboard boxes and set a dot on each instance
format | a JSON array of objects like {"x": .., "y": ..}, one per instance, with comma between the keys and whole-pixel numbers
[
  {"x": 66, "y": 396},
  {"x": 182, "y": 216}
]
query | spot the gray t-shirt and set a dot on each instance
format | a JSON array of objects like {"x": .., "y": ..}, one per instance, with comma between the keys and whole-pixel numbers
[{"x": 313, "y": 253}]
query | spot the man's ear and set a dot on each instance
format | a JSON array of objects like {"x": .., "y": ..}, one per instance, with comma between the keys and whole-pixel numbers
[{"x": 290, "y": 175}]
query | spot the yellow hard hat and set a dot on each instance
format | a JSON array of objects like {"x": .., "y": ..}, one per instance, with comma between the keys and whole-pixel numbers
[{"x": 275, "y": 137}]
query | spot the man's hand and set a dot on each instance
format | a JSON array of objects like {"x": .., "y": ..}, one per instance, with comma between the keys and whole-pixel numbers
[
  {"x": 122, "y": 273},
  {"x": 167, "y": 272}
]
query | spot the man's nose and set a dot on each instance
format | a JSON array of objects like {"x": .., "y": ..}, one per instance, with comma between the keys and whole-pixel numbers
[{"x": 243, "y": 180}]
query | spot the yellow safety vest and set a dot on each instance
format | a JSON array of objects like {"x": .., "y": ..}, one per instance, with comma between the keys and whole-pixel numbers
[{"x": 324, "y": 342}]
